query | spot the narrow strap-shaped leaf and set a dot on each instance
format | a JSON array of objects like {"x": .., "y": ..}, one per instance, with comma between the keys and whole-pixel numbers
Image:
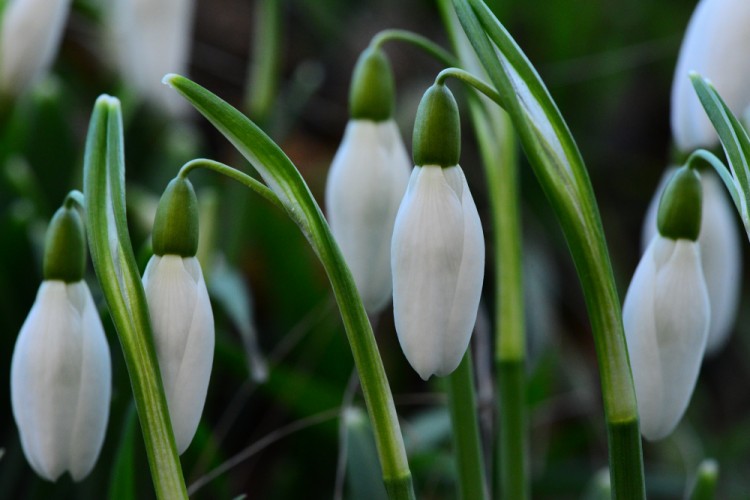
[
  {"x": 558, "y": 165},
  {"x": 115, "y": 266},
  {"x": 734, "y": 140}
]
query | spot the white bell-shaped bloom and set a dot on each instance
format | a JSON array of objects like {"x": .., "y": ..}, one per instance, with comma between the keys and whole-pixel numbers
[
  {"x": 183, "y": 325},
  {"x": 438, "y": 268},
  {"x": 666, "y": 317},
  {"x": 150, "y": 38},
  {"x": 366, "y": 183},
  {"x": 715, "y": 45},
  {"x": 721, "y": 258},
  {"x": 61, "y": 381},
  {"x": 29, "y": 37}
]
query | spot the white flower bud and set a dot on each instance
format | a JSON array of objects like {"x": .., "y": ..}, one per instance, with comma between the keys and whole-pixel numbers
[
  {"x": 150, "y": 38},
  {"x": 61, "y": 381},
  {"x": 721, "y": 259},
  {"x": 715, "y": 45},
  {"x": 438, "y": 268},
  {"x": 666, "y": 318},
  {"x": 367, "y": 180},
  {"x": 183, "y": 325},
  {"x": 29, "y": 37}
]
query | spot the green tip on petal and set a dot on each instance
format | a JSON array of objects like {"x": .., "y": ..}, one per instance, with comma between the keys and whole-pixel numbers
[
  {"x": 176, "y": 223},
  {"x": 65, "y": 247},
  {"x": 372, "y": 94},
  {"x": 437, "y": 131},
  {"x": 679, "y": 214}
]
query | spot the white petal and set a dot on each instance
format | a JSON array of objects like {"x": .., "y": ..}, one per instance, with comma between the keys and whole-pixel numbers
[
  {"x": 367, "y": 180},
  {"x": 60, "y": 381},
  {"x": 29, "y": 37},
  {"x": 150, "y": 38},
  {"x": 95, "y": 391},
  {"x": 438, "y": 264},
  {"x": 666, "y": 318},
  {"x": 721, "y": 257},
  {"x": 184, "y": 337},
  {"x": 715, "y": 46}
]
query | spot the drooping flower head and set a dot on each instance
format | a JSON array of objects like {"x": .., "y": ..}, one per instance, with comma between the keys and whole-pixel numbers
[
  {"x": 181, "y": 315},
  {"x": 666, "y": 312},
  {"x": 437, "y": 252},
  {"x": 61, "y": 376},
  {"x": 29, "y": 37},
  {"x": 367, "y": 180}
]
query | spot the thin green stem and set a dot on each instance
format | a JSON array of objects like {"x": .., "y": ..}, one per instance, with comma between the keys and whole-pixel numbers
[
  {"x": 471, "y": 80},
  {"x": 463, "y": 408},
  {"x": 702, "y": 156},
  {"x": 423, "y": 43},
  {"x": 264, "y": 70},
  {"x": 512, "y": 422},
  {"x": 119, "y": 278},
  {"x": 234, "y": 174},
  {"x": 74, "y": 199}
]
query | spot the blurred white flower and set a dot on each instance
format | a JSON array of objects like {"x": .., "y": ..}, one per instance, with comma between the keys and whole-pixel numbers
[
  {"x": 715, "y": 45},
  {"x": 666, "y": 318},
  {"x": 438, "y": 267},
  {"x": 29, "y": 38},
  {"x": 366, "y": 183},
  {"x": 150, "y": 38},
  {"x": 721, "y": 258},
  {"x": 61, "y": 381},
  {"x": 183, "y": 326}
]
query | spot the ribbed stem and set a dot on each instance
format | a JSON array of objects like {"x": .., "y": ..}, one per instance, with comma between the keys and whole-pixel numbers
[{"x": 513, "y": 429}]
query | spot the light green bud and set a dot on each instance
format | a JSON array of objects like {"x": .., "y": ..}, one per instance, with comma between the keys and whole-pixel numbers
[
  {"x": 437, "y": 130},
  {"x": 176, "y": 224}
]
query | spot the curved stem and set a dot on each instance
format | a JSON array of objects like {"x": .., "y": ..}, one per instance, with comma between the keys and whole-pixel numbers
[
  {"x": 703, "y": 156},
  {"x": 234, "y": 174},
  {"x": 471, "y": 80},
  {"x": 419, "y": 41}
]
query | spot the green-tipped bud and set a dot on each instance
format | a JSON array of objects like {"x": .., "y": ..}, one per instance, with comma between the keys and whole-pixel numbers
[
  {"x": 371, "y": 96},
  {"x": 176, "y": 223},
  {"x": 679, "y": 214},
  {"x": 65, "y": 247},
  {"x": 437, "y": 131}
]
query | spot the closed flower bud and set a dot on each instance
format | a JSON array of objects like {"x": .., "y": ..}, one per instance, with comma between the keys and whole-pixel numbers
[
  {"x": 715, "y": 45},
  {"x": 367, "y": 180},
  {"x": 721, "y": 259},
  {"x": 61, "y": 376},
  {"x": 29, "y": 37},
  {"x": 437, "y": 253},
  {"x": 666, "y": 313},
  {"x": 181, "y": 315}
]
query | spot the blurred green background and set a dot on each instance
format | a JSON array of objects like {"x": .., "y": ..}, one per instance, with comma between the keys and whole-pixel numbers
[{"x": 608, "y": 64}]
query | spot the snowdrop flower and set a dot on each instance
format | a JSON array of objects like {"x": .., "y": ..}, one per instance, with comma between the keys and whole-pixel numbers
[
  {"x": 721, "y": 258},
  {"x": 61, "y": 376},
  {"x": 715, "y": 46},
  {"x": 29, "y": 37},
  {"x": 437, "y": 254},
  {"x": 181, "y": 316},
  {"x": 666, "y": 312},
  {"x": 367, "y": 180},
  {"x": 151, "y": 38}
]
